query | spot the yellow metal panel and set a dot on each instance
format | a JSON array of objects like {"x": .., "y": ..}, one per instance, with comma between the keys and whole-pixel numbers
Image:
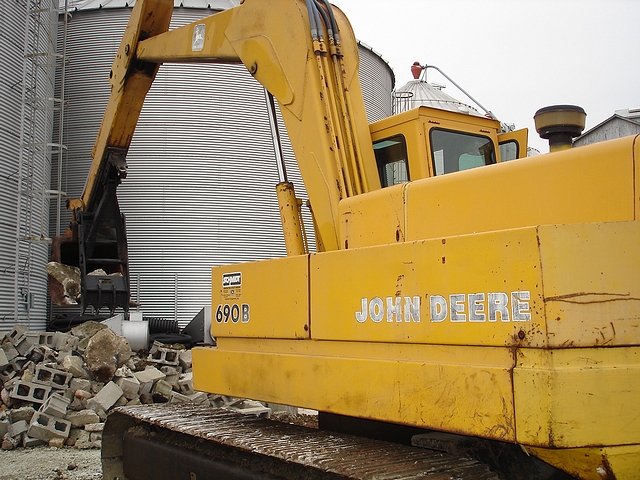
[
  {"x": 374, "y": 218},
  {"x": 594, "y": 183},
  {"x": 577, "y": 397},
  {"x": 591, "y": 283},
  {"x": 480, "y": 289},
  {"x": 202, "y": 40},
  {"x": 422, "y": 386},
  {"x": 621, "y": 463},
  {"x": 269, "y": 298}
]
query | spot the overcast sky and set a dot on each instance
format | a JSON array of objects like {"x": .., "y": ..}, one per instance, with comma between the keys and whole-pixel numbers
[{"x": 513, "y": 56}]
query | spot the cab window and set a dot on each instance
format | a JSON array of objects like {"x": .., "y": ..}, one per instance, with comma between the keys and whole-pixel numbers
[
  {"x": 453, "y": 151},
  {"x": 391, "y": 158},
  {"x": 508, "y": 150}
]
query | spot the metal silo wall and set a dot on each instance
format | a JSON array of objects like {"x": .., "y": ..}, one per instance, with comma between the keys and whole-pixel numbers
[
  {"x": 31, "y": 267},
  {"x": 377, "y": 80},
  {"x": 201, "y": 184}
]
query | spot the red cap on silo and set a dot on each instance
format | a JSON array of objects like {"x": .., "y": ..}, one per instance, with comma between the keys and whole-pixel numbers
[{"x": 416, "y": 70}]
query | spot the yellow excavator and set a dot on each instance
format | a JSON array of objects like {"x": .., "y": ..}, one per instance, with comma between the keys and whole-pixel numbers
[{"x": 457, "y": 287}]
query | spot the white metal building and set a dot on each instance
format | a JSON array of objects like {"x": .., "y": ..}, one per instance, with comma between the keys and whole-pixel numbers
[{"x": 620, "y": 124}]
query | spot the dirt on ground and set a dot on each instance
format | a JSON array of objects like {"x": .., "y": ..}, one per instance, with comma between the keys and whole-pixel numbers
[{"x": 50, "y": 463}]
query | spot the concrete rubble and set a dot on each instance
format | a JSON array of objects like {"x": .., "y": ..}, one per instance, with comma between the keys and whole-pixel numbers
[{"x": 58, "y": 388}]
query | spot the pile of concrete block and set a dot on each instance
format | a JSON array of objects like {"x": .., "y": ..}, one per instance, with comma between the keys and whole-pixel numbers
[{"x": 58, "y": 388}]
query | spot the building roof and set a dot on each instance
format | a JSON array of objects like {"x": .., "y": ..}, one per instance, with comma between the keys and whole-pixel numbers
[
  {"x": 631, "y": 115},
  {"x": 75, "y": 5}
]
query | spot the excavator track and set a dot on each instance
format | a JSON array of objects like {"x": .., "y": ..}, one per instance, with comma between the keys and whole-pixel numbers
[{"x": 180, "y": 441}]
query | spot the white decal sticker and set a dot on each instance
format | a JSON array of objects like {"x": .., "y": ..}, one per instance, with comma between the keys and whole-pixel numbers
[
  {"x": 197, "y": 41},
  {"x": 231, "y": 279},
  {"x": 458, "y": 308},
  {"x": 394, "y": 311}
]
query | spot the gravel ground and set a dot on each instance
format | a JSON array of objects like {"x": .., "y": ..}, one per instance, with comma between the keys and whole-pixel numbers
[{"x": 50, "y": 463}]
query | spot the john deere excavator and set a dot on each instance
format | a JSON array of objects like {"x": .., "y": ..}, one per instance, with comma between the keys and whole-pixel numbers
[{"x": 482, "y": 300}]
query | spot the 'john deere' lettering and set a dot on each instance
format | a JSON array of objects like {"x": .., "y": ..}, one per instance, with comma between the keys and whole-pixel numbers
[{"x": 455, "y": 308}]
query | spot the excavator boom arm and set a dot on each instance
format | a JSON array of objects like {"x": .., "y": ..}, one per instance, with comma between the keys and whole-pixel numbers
[{"x": 303, "y": 53}]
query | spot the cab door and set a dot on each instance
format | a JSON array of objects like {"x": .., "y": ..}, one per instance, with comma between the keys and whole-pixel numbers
[{"x": 512, "y": 145}]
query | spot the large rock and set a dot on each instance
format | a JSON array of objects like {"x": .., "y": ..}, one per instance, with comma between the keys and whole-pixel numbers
[
  {"x": 87, "y": 329},
  {"x": 105, "y": 353}
]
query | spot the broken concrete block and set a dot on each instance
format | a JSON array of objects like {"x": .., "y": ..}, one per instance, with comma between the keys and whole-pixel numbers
[
  {"x": 64, "y": 341},
  {"x": 17, "y": 334},
  {"x": 18, "y": 428},
  {"x": 164, "y": 356},
  {"x": 80, "y": 384},
  {"x": 178, "y": 398},
  {"x": 46, "y": 427},
  {"x": 4, "y": 361},
  {"x": 30, "y": 392},
  {"x": 76, "y": 405},
  {"x": 186, "y": 384},
  {"x": 79, "y": 434},
  {"x": 130, "y": 386},
  {"x": 94, "y": 427},
  {"x": 75, "y": 366},
  {"x": 53, "y": 377},
  {"x": 82, "y": 418},
  {"x": 123, "y": 372},
  {"x": 185, "y": 359},
  {"x": 57, "y": 442},
  {"x": 95, "y": 436},
  {"x": 41, "y": 338},
  {"x": 9, "y": 443},
  {"x": 161, "y": 389},
  {"x": 56, "y": 405},
  {"x": 5, "y": 396},
  {"x": 146, "y": 398},
  {"x": 28, "y": 376},
  {"x": 148, "y": 377},
  {"x": 62, "y": 354},
  {"x": 24, "y": 348},
  {"x": 172, "y": 376},
  {"x": 121, "y": 402},
  {"x": 106, "y": 397},
  {"x": 4, "y": 427},
  {"x": 199, "y": 398},
  {"x": 105, "y": 353},
  {"x": 37, "y": 353},
  {"x": 23, "y": 413},
  {"x": 28, "y": 441},
  {"x": 9, "y": 351},
  {"x": 16, "y": 365},
  {"x": 134, "y": 401}
]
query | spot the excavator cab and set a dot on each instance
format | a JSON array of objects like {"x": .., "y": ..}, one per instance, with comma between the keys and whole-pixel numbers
[{"x": 428, "y": 142}]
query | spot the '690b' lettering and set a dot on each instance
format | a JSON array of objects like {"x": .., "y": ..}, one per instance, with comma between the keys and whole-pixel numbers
[{"x": 232, "y": 312}]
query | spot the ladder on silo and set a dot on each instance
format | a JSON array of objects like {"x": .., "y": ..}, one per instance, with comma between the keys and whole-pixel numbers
[{"x": 37, "y": 152}]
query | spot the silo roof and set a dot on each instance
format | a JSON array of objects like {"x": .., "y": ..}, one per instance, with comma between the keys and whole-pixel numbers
[
  {"x": 75, "y": 5},
  {"x": 423, "y": 93}
]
